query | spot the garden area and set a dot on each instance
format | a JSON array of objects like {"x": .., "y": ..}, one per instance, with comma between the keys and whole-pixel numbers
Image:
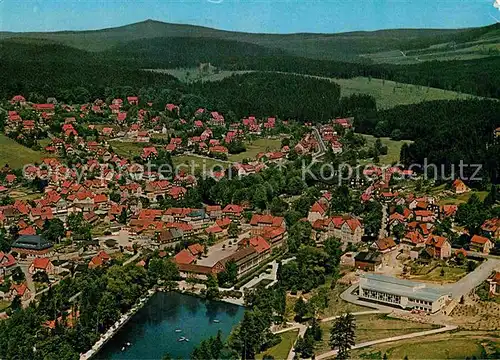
[{"x": 439, "y": 271}]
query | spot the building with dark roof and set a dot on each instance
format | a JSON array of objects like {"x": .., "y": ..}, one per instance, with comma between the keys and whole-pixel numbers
[
  {"x": 31, "y": 245},
  {"x": 368, "y": 260}
]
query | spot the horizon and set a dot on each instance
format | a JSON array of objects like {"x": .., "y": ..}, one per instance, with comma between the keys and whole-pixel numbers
[{"x": 281, "y": 17}]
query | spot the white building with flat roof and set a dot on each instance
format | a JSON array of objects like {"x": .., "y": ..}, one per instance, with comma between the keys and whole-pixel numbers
[{"x": 408, "y": 295}]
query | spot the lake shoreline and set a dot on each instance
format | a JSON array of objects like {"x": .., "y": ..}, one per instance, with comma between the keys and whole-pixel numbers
[
  {"x": 111, "y": 332},
  {"x": 158, "y": 318}
]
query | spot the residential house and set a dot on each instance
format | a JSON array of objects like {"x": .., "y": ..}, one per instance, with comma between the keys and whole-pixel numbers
[
  {"x": 261, "y": 223},
  {"x": 170, "y": 235},
  {"x": 7, "y": 262},
  {"x": 384, "y": 245},
  {"x": 20, "y": 290},
  {"x": 413, "y": 239},
  {"x": 214, "y": 211},
  {"x": 41, "y": 264},
  {"x": 99, "y": 260},
  {"x": 438, "y": 247},
  {"x": 276, "y": 237},
  {"x": 317, "y": 211},
  {"x": 459, "y": 187},
  {"x": 491, "y": 228},
  {"x": 481, "y": 244},
  {"x": 495, "y": 284},
  {"x": 216, "y": 231},
  {"x": 143, "y": 137},
  {"x": 232, "y": 211}
]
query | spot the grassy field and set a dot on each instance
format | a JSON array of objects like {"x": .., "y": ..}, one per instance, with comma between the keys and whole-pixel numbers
[
  {"x": 389, "y": 93},
  {"x": 281, "y": 350},
  {"x": 127, "y": 149},
  {"x": 462, "y": 198},
  {"x": 374, "y": 327},
  {"x": 188, "y": 161},
  {"x": 17, "y": 155},
  {"x": 393, "y": 149},
  {"x": 336, "y": 306},
  {"x": 4, "y": 305},
  {"x": 255, "y": 147},
  {"x": 459, "y": 345}
]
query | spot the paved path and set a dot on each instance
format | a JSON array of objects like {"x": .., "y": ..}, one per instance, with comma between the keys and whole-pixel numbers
[
  {"x": 332, "y": 353},
  {"x": 369, "y": 312},
  {"x": 466, "y": 284},
  {"x": 383, "y": 231},
  {"x": 322, "y": 147},
  {"x": 272, "y": 276},
  {"x": 133, "y": 258}
]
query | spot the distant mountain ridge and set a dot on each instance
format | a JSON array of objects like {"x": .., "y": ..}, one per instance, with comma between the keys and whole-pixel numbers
[{"x": 340, "y": 46}]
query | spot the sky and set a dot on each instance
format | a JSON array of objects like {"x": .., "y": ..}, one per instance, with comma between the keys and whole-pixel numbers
[{"x": 269, "y": 16}]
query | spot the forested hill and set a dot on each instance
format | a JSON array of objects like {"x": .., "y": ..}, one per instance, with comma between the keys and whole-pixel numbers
[
  {"x": 443, "y": 132},
  {"x": 186, "y": 51},
  {"x": 341, "y": 46},
  {"x": 264, "y": 94}
]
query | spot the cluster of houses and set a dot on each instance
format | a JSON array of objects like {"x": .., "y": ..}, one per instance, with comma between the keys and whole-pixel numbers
[{"x": 262, "y": 235}]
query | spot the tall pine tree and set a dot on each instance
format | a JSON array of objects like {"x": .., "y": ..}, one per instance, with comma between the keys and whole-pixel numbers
[{"x": 342, "y": 335}]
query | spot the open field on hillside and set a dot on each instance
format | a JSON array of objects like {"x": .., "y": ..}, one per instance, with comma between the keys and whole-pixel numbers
[
  {"x": 194, "y": 74},
  {"x": 389, "y": 93},
  {"x": 483, "y": 47},
  {"x": 462, "y": 198},
  {"x": 457, "y": 345},
  {"x": 393, "y": 149},
  {"x": 17, "y": 155},
  {"x": 374, "y": 327},
  {"x": 254, "y": 147},
  {"x": 281, "y": 350}
]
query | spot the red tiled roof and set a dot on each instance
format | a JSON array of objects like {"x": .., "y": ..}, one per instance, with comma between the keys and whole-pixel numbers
[
  {"x": 436, "y": 241},
  {"x": 184, "y": 257},
  {"x": 259, "y": 244},
  {"x": 6, "y": 260},
  {"x": 41, "y": 263},
  {"x": 196, "y": 249},
  {"x": 476, "y": 239},
  {"x": 231, "y": 208},
  {"x": 318, "y": 208}
]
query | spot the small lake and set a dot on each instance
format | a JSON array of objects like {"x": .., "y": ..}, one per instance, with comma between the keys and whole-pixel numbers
[{"x": 152, "y": 330}]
